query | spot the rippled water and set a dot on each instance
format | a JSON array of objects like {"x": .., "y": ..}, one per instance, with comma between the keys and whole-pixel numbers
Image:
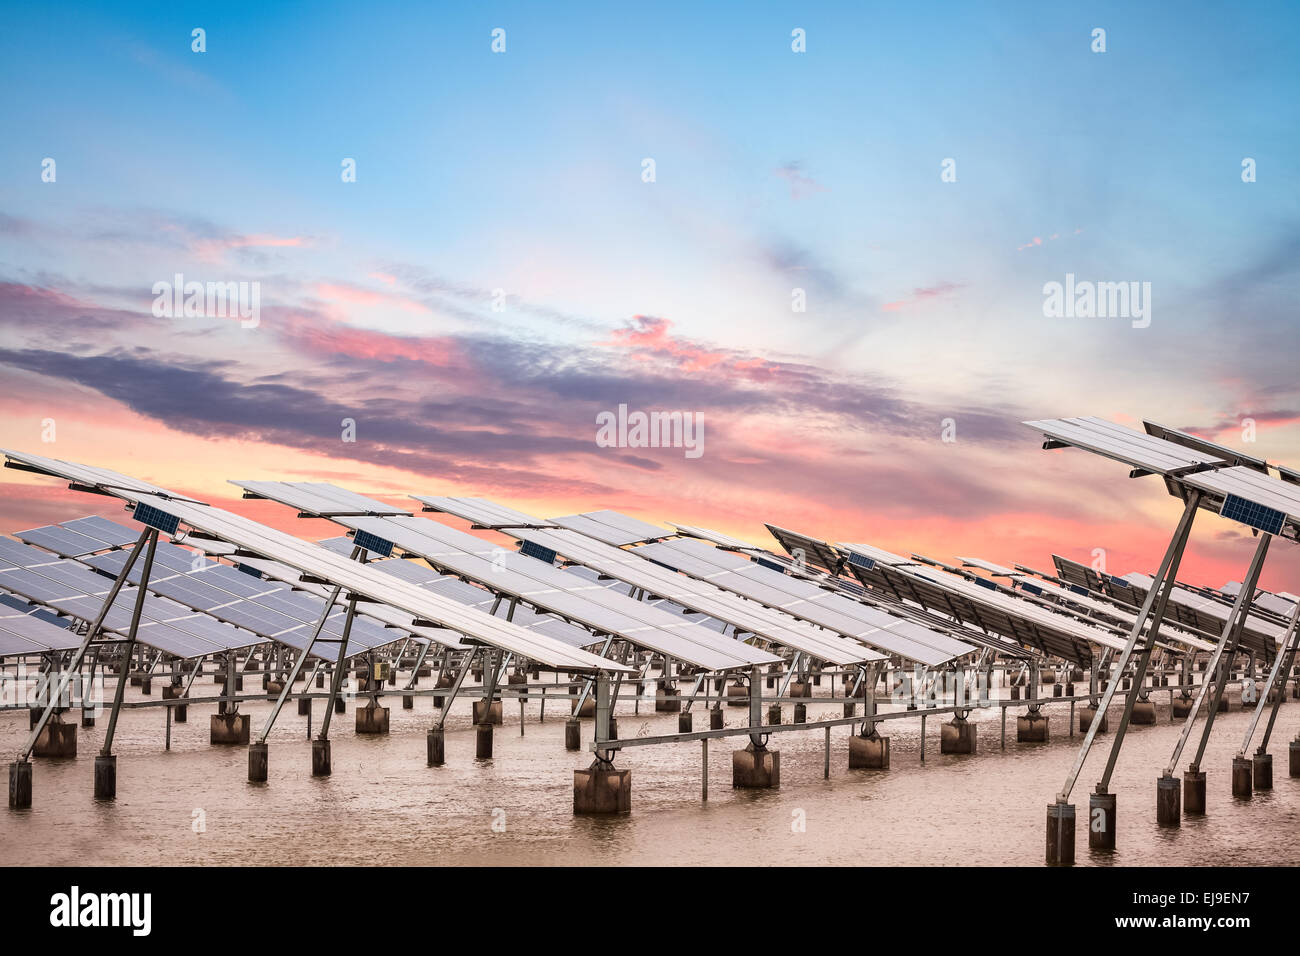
[{"x": 383, "y": 805}]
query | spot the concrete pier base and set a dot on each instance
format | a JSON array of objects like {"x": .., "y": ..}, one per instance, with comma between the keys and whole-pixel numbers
[
  {"x": 1102, "y": 809},
  {"x": 868, "y": 753},
  {"x": 408, "y": 702},
  {"x": 598, "y": 790},
  {"x": 56, "y": 739},
  {"x": 372, "y": 719},
  {"x": 88, "y": 717},
  {"x": 320, "y": 758},
  {"x": 105, "y": 777},
  {"x": 1242, "y": 778},
  {"x": 493, "y": 712},
  {"x": 20, "y": 785},
  {"x": 435, "y": 745},
  {"x": 483, "y": 741},
  {"x": 800, "y": 713},
  {"x": 755, "y": 769},
  {"x": 1060, "y": 834},
  {"x": 257, "y": 763},
  {"x": 228, "y": 729},
  {"x": 320, "y": 680},
  {"x": 668, "y": 700},
  {"x": 684, "y": 722},
  {"x": 1262, "y": 767},
  {"x": 958, "y": 737},
  {"x": 1194, "y": 792},
  {"x": 1031, "y": 728},
  {"x": 340, "y": 705},
  {"x": 1144, "y": 713},
  {"x": 716, "y": 720},
  {"x": 1085, "y": 719},
  {"x": 850, "y": 709},
  {"x": 572, "y": 734},
  {"x": 1180, "y": 707},
  {"x": 1169, "y": 804},
  {"x": 774, "y": 714},
  {"x": 304, "y": 706},
  {"x": 1293, "y": 758}
]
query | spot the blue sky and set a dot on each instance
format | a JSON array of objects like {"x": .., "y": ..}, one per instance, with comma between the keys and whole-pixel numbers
[{"x": 821, "y": 170}]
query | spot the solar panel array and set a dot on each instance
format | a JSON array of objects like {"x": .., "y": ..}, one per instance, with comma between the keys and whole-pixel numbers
[
  {"x": 805, "y": 600},
  {"x": 1186, "y": 461},
  {"x": 986, "y": 607},
  {"x": 550, "y": 589},
  {"x": 321, "y": 564},
  {"x": 73, "y": 589}
]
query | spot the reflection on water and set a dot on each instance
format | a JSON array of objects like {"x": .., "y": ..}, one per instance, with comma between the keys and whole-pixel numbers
[{"x": 383, "y": 805}]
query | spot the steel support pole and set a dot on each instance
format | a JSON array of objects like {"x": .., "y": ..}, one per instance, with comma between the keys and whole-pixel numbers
[
  {"x": 455, "y": 688},
  {"x": 1281, "y": 664},
  {"x": 1165, "y": 586},
  {"x": 297, "y": 664},
  {"x": 91, "y": 633},
  {"x": 337, "y": 682},
  {"x": 107, "y": 749},
  {"x": 1236, "y": 621},
  {"x": 1173, "y": 553}
]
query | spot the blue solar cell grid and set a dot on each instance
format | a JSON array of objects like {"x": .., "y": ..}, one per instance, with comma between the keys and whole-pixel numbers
[
  {"x": 1255, "y": 515},
  {"x": 373, "y": 543},
  {"x": 154, "y": 518}
]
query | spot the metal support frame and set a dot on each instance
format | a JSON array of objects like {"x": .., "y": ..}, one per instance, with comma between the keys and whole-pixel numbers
[
  {"x": 141, "y": 590},
  {"x": 1136, "y": 692},
  {"x": 337, "y": 677},
  {"x": 91, "y": 633},
  {"x": 297, "y": 665},
  {"x": 756, "y": 707},
  {"x": 455, "y": 688},
  {"x": 1232, "y": 629},
  {"x": 1281, "y": 664},
  {"x": 1172, "y": 555},
  {"x": 604, "y": 708}
]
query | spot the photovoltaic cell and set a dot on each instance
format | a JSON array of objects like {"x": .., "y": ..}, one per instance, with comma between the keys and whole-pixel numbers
[{"x": 1249, "y": 513}]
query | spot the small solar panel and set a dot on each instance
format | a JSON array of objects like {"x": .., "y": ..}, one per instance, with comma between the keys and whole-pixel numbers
[
  {"x": 1030, "y": 588},
  {"x": 769, "y": 564},
  {"x": 373, "y": 543},
  {"x": 861, "y": 561},
  {"x": 156, "y": 518},
  {"x": 537, "y": 551},
  {"x": 1255, "y": 515}
]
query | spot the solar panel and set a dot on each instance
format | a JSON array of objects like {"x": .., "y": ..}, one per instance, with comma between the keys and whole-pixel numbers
[
  {"x": 717, "y": 537},
  {"x": 373, "y": 543},
  {"x": 611, "y": 527},
  {"x": 703, "y": 597},
  {"x": 482, "y": 512},
  {"x": 156, "y": 518},
  {"x": 110, "y": 532},
  {"x": 320, "y": 498},
  {"x": 64, "y": 543},
  {"x": 807, "y": 601},
  {"x": 1249, "y": 513}
]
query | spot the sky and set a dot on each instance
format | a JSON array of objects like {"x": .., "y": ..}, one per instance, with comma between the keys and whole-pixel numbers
[{"x": 502, "y": 268}]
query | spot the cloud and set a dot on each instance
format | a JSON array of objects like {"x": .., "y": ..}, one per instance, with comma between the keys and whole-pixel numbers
[
  {"x": 921, "y": 296},
  {"x": 801, "y": 185}
]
